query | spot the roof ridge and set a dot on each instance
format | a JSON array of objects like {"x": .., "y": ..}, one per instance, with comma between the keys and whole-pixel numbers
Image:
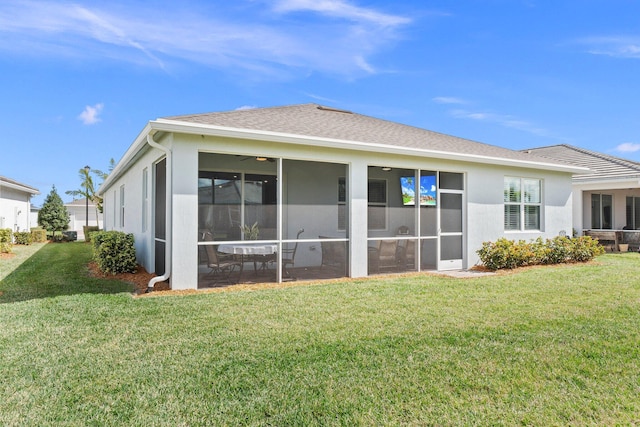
[
  {"x": 603, "y": 156},
  {"x": 241, "y": 110}
]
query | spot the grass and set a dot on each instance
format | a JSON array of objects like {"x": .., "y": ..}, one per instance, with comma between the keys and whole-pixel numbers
[
  {"x": 19, "y": 254},
  {"x": 543, "y": 346}
]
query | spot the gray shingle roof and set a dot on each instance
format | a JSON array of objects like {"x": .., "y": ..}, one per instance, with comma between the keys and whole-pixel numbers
[
  {"x": 24, "y": 187},
  {"x": 323, "y": 122},
  {"x": 602, "y": 166}
]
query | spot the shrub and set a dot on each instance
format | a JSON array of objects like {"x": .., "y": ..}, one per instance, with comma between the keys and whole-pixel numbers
[
  {"x": 38, "y": 235},
  {"x": 585, "y": 248},
  {"x": 88, "y": 231},
  {"x": 509, "y": 254},
  {"x": 114, "y": 252},
  {"x": 6, "y": 237},
  {"x": 22, "y": 237}
]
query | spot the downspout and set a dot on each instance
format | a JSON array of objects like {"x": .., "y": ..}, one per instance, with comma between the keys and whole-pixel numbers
[{"x": 168, "y": 224}]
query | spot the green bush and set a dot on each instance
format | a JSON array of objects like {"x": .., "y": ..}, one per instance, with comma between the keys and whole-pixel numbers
[
  {"x": 585, "y": 248},
  {"x": 38, "y": 235},
  {"x": 114, "y": 251},
  {"x": 22, "y": 237},
  {"x": 509, "y": 254},
  {"x": 6, "y": 238},
  {"x": 88, "y": 231}
]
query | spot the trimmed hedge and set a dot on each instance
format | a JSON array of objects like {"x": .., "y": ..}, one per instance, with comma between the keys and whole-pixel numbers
[
  {"x": 510, "y": 254},
  {"x": 38, "y": 235},
  {"x": 23, "y": 237},
  {"x": 114, "y": 251},
  {"x": 6, "y": 238}
]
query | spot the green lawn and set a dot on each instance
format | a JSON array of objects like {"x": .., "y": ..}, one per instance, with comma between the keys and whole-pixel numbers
[{"x": 544, "y": 346}]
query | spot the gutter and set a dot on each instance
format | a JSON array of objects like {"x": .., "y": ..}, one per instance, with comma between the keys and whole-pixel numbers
[{"x": 168, "y": 218}]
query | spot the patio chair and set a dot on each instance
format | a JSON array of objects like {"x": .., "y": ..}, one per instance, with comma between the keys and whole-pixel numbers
[
  {"x": 220, "y": 268},
  {"x": 333, "y": 254},
  {"x": 289, "y": 257},
  {"x": 387, "y": 255},
  {"x": 407, "y": 255}
]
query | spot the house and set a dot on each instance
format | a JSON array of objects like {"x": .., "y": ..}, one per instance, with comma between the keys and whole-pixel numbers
[
  {"x": 330, "y": 193},
  {"x": 607, "y": 196},
  {"x": 15, "y": 205},
  {"x": 78, "y": 210}
]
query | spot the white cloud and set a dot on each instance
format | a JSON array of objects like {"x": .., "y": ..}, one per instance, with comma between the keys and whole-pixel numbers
[
  {"x": 616, "y": 46},
  {"x": 334, "y": 36},
  {"x": 363, "y": 64},
  {"x": 341, "y": 9},
  {"x": 246, "y": 107},
  {"x": 628, "y": 147},
  {"x": 90, "y": 114},
  {"x": 448, "y": 100},
  {"x": 320, "y": 98},
  {"x": 502, "y": 120}
]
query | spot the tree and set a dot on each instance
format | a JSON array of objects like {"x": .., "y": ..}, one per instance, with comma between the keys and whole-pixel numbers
[
  {"x": 87, "y": 187},
  {"x": 53, "y": 216}
]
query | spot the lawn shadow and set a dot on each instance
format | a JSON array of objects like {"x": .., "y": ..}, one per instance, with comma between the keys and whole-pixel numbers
[{"x": 57, "y": 269}]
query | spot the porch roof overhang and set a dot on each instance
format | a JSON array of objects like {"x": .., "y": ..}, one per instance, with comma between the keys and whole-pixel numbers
[
  {"x": 179, "y": 127},
  {"x": 613, "y": 183}
]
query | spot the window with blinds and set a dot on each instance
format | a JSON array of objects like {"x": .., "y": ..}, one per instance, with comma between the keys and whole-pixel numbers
[
  {"x": 522, "y": 203},
  {"x": 377, "y": 197}
]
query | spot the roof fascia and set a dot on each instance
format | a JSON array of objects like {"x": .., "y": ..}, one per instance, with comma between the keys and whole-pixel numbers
[
  {"x": 127, "y": 159},
  {"x": 19, "y": 187},
  {"x": 608, "y": 183},
  {"x": 213, "y": 130}
]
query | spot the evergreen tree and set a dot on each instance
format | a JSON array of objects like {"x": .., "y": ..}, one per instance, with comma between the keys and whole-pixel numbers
[{"x": 53, "y": 216}]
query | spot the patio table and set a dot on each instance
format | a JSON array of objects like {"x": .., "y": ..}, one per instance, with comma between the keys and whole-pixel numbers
[{"x": 243, "y": 249}]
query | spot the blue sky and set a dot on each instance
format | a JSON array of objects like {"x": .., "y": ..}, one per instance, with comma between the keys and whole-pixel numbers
[{"x": 79, "y": 80}]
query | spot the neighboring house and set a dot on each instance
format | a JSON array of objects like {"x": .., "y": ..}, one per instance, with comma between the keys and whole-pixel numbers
[
  {"x": 33, "y": 216},
  {"x": 15, "y": 205},
  {"x": 607, "y": 197},
  {"x": 78, "y": 216},
  {"x": 372, "y": 196}
]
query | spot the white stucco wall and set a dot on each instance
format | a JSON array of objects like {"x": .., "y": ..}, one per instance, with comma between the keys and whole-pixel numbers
[
  {"x": 15, "y": 207},
  {"x": 483, "y": 198},
  {"x": 132, "y": 182},
  {"x": 485, "y": 208}
]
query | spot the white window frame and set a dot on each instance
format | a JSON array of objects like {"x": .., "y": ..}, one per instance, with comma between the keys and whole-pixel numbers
[
  {"x": 601, "y": 211},
  {"x": 115, "y": 209},
  {"x": 145, "y": 198},
  {"x": 122, "y": 206},
  {"x": 523, "y": 203}
]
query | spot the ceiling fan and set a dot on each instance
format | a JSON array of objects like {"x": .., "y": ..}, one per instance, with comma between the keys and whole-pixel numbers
[{"x": 259, "y": 159}]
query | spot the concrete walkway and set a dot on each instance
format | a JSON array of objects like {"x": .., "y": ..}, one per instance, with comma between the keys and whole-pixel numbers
[{"x": 465, "y": 274}]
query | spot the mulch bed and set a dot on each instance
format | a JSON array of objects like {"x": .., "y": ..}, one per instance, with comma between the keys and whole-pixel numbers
[
  {"x": 4, "y": 255},
  {"x": 140, "y": 279}
]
